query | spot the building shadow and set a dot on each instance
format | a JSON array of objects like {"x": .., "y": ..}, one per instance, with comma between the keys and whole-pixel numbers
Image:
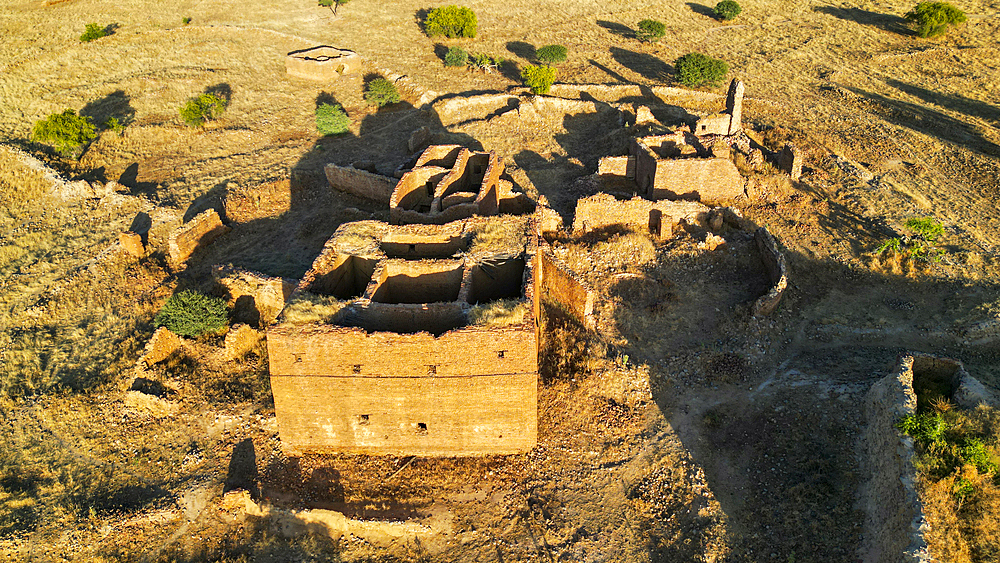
[
  {"x": 885, "y": 22},
  {"x": 645, "y": 65}
]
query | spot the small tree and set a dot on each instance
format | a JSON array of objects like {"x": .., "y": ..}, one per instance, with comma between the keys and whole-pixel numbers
[
  {"x": 332, "y": 4},
  {"x": 331, "y": 119},
  {"x": 933, "y": 18},
  {"x": 456, "y": 56},
  {"x": 94, "y": 31},
  {"x": 65, "y": 131},
  {"x": 695, "y": 69},
  {"x": 551, "y": 54},
  {"x": 203, "y": 108},
  {"x": 727, "y": 10},
  {"x": 650, "y": 30},
  {"x": 539, "y": 78},
  {"x": 451, "y": 21},
  {"x": 484, "y": 62},
  {"x": 190, "y": 313},
  {"x": 380, "y": 92}
]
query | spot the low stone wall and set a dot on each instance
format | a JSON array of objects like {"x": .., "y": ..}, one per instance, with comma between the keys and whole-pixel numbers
[
  {"x": 457, "y": 110},
  {"x": 777, "y": 270},
  {"x": 360, "y": 182},
  {"x": 19, "y": 168},
  {"x": 198, "y": 232},
  {"x": 322, "y": 63},
  {"x": 894, "y": 520},
  {"x": 657, "y": 217},
  {"x": 563, "y": 286}
]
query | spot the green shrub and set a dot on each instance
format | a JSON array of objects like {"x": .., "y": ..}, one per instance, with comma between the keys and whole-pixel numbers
[
  {"x": 94, "y": 31},
  {"x": 185, "y": 21},
  {"x": 380, "y": 92},
  {"x": 933, "y": 18},
  {"x": 695, "y": 69},
  {"x": 190, "y": 313},
  {"x": 65, "y": 131},
  {"x": 925, "y": 428},
  {"x": 926, "y": 228},
  {"x": 331, "y": 119},
  {"x": 484, "y": 62},
  {"x": 976, "y": 453},
  {"x": 727, "y": 10},
  {"x": 203, "y": 108},
  {"x": 538, "y": 78},
  {"x": 650, "y": 30},
  {"x": 116, "y": 125},
  {"x": 456, "y": 56},
  {"x": 451, "y": 21},
  {"x": 551, "y": 54}
]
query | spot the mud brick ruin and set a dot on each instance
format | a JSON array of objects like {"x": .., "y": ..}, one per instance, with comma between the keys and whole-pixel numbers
[
  {"x": 322, "y": 63},
  {"x": 403, "y": 367},
  {"x": 448, "y": 182}
]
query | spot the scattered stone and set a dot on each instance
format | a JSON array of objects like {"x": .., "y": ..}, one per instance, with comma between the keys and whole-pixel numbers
[
  {"x": 712, "y": 242},
  {"x": 419, "y": 139},
  {"x": 132, "y": 243}
]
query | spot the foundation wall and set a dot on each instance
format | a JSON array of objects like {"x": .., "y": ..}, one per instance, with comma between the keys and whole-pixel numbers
[
  {"x": 777, "y": 271},
  {"x": 200, "y": 231},
  {"x": 568, "y": 290},
  {"x": 321, "y": 63},
  {"x": 360, "y": 182},
  {"x": 894, "y": 516}
]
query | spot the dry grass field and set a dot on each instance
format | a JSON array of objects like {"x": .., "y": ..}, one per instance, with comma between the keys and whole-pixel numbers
[{"x": 683, "y": 431}]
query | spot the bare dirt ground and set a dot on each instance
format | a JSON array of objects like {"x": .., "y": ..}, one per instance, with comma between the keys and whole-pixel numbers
[{"x": 683, "y": 431}]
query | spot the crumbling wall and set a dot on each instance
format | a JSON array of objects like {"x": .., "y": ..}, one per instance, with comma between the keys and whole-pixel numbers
[
  {"x": 21, "y": 169},
  {"x": 709, "y": 180},
  {"x": 254, "y": 298},
  {"x": 789, "y": 160},
  {"x": 360, "y": 182},
  {"x": 405, "y": 394},
  {"x": 198, "y": 232},
  {"x": 656, "y": 217},
  {"x": 567, "y": 289},
  {"x": 777, "y": 271},
  {"x": 894, "y": 521}
]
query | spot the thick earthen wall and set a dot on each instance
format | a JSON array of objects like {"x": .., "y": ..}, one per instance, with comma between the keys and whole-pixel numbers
[
  {"x": 565, "y": 288},
  {"x": 894, "y": 515},
  {"x": 777, "y": 271},
  {"x": 360, "y": 182},
  {"x": 488, "y": 376},
  {"x": 710, "y": 180},
  {"x": 202, "y": 230}
]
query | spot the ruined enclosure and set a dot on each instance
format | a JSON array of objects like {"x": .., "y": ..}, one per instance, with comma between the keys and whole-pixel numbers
[
  {"x": 400, "y": 369},
  {"x": 322, "y": 63},
  {"x": 447, "y": 183}
]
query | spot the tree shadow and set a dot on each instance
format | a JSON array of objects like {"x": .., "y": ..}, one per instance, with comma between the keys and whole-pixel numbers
[
  {"x": 617, "y": 77},
  {"x": 930, "y": 122},
  {"x": 701, "y": 9},
  {"x": 647, "y": 66},
  {"x": 885, "y": 22},
  {"x": 510, "y": 71},
  {"x": 960, "y": 104},
  {"x": 115, "y": 105},
  {"x": 441, "y": 51},
  {"x": 618, "y": 29},
  {"x": 521, "y": 49},
  {"x": 222, "y": 90},
  {"x": 327, "y": 99},
  {"x": 214, "y": 198},
  {"x": 420, "y": 18}
]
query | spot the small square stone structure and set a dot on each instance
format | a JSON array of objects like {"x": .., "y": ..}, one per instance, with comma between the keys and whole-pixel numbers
[
  {"x": 322, "y": 63},
  {"x": 400, "y": 369},
  {"x": 728, "y": 122},
  {"x": 675, "y": 167}
]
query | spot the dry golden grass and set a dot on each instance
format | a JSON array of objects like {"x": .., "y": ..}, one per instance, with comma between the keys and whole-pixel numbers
[
  {"x": 502, "y": 312},
  {"x": 498, "y": 236},
  {"x": 312, "y": 308}
]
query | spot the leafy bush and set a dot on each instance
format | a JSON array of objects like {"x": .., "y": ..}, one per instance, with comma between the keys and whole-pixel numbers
[
  {"x": 456, "y": 56},
  {"x": 484, "y": 62},
  {"x": 727, "y": 10},
  {"x": 695, "y": 69},
  {"x": 203, "y": 108},
  {"x": 933, "y": 18},
  {"x": 95, "y": 31},
  {"x": 185, "y": 20},
  {"x": 332, "y": 4},
  {"x": 380, "y": 92},
  {"x": 538, "y": 78},
  {"x": 116, "y": 125},
  {"x": 926, "y": 228},
  {"x": 331, "y": 119},
  {"x": 551, "y": 54},
  {"x": 925, "y": 428},
  {"x": 65, "y": 131},
  {"x": 650, "y": 30},
  {"x": 190, "y": 313},
  {"x": 451, "y": 21}
]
